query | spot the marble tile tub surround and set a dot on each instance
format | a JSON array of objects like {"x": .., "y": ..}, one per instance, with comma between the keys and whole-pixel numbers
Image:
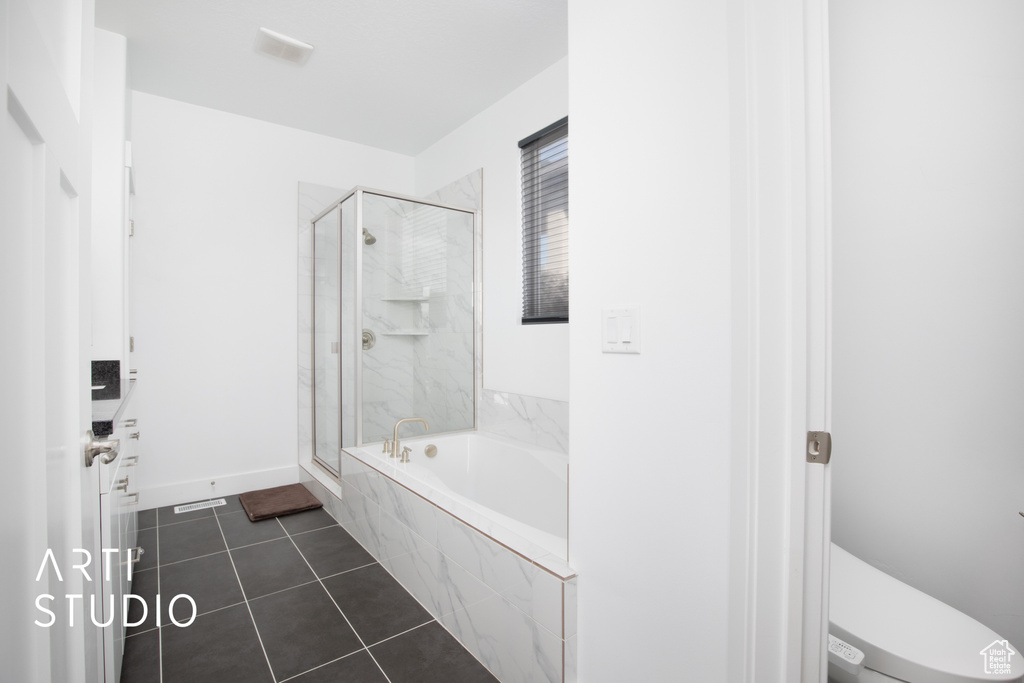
[
  {"x": 540, "y": 422},
  {"x": 515, "y": 614}
]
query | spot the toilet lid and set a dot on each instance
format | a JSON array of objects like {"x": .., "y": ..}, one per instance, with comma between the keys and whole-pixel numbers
[{"x": 909, "y": 635}]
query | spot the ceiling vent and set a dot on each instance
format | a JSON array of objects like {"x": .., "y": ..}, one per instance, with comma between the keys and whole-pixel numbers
[{"x": 281, "y": 46}]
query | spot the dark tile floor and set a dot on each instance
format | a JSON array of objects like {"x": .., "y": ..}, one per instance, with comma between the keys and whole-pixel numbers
[{"x": 294, "y": 598}]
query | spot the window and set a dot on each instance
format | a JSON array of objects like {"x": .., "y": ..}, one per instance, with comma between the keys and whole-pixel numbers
[{"x": 545, "y": 172}]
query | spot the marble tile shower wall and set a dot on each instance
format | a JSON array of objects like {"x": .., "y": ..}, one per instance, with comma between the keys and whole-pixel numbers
[
  {"x": 443, "y": 362},
  {"x": 515, "y": 616},
  {"x": 418, "y": 299},
  {"x": 467, "y": 192},
  {"x": 536, "y": 421},
  {"x": 387, "y": 377}
]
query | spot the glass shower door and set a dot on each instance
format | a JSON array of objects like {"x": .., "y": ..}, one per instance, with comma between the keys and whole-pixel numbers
[{"x": 326, "y": 339}]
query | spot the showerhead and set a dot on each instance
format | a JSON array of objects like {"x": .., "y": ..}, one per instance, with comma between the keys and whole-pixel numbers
[{"x": 368, "y": 239}]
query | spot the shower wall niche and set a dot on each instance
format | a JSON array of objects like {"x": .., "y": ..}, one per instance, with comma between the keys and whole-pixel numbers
[{"x": 394, "y": 319}]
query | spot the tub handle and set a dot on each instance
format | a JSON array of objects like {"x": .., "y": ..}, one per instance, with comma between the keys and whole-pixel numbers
[
  {"x": 387, "y": 445},
  {"x": 405, "y": 454}
]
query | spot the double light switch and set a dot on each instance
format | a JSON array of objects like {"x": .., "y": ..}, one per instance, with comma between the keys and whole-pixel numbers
[{"x": 621, "y": 330}]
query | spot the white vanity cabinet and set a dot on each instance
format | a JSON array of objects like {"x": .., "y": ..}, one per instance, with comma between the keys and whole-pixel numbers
[{"x": 119, "y": 552}]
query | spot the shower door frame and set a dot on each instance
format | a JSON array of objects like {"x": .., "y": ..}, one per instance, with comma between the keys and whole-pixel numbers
[
  {"x": 312, "y": 336},
  {"x": 359, "y": 192}
]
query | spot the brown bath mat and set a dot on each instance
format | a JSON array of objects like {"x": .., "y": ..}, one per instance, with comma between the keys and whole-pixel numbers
[{"x": 280, "y": 500}]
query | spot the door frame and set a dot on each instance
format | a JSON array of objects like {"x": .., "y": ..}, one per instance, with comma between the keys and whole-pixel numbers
[{"x": 781, "y": 230}]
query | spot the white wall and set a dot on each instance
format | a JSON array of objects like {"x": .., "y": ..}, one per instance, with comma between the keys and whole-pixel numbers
[
  {"x": 928, "y": 147},
  {"x": 650, "y": 433},
  {"x": 214, "y": 299},
  {"x": 522, "y": 359},
  {"x": 108, "y": 226}
]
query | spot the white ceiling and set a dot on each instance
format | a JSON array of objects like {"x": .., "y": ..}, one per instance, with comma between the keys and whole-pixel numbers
[{"x": 393, "y": 74}]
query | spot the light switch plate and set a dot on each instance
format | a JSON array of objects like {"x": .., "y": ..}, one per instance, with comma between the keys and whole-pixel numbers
[{"x": 620, "y": 329}]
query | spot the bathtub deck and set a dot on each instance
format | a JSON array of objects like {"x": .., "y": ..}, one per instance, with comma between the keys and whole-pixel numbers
[{"x": 293, "y": 599}]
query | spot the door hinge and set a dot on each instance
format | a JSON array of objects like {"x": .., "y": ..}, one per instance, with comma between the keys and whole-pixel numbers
[
  {"x": 819, "y": 447},
  {"x": 131, "y": 344}
]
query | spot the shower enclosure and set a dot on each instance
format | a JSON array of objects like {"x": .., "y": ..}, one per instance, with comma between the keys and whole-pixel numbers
[{"x": 395, "y": 319}]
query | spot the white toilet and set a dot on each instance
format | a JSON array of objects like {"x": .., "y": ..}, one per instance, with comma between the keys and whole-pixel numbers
[{"x": 906, "y": 635}]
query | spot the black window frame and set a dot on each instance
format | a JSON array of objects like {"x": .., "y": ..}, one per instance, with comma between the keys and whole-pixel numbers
[{"x": 544, "y": 158}]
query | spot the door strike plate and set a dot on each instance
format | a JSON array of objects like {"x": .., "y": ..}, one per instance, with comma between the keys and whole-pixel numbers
[{"x": 819, "y": 447}]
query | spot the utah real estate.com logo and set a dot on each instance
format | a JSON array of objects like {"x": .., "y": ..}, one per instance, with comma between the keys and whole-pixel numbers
[
  {"x": 997, "y": 658},
  {"x": 102, "y": 571}
]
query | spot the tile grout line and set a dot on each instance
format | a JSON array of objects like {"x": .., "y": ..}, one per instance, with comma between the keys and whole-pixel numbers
[
  {"x": 336, "y": 605},
  {"x": 189, "y": 559},
  {"x": 266, "y": 658},
  {"x": 429, "y": 621},
  {"x": 198, "y": 614},
  {"x": 282, "y": 590},
  {"x": 183, "y": 521},
  {"x": 226, "y": 549},
  {"x": 362, "y": 566},
  {"x": 320, "y": 666}
]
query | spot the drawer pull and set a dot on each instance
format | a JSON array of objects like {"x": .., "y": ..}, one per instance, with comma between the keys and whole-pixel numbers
[
  {"x": 135, "y": 496},
  {"x": 122, "y": 484}
]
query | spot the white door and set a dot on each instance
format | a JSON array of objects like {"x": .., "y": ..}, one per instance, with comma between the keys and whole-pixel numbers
[{"x": 50, "y": 498}]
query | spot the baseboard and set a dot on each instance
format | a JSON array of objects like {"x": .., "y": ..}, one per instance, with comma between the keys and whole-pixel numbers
[{"x": 228, "y": 485}]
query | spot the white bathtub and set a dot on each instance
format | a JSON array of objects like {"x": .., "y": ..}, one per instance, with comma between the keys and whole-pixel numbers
[
  {"x": 515, "y": 494},
  {"x": 478, "y": 535}
]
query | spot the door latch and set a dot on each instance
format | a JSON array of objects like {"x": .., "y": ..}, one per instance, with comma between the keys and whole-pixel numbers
[{"x": 819, "y": 447}]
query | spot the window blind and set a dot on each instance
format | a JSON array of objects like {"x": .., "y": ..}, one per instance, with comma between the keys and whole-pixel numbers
[{"x": 545, "y": 182}]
